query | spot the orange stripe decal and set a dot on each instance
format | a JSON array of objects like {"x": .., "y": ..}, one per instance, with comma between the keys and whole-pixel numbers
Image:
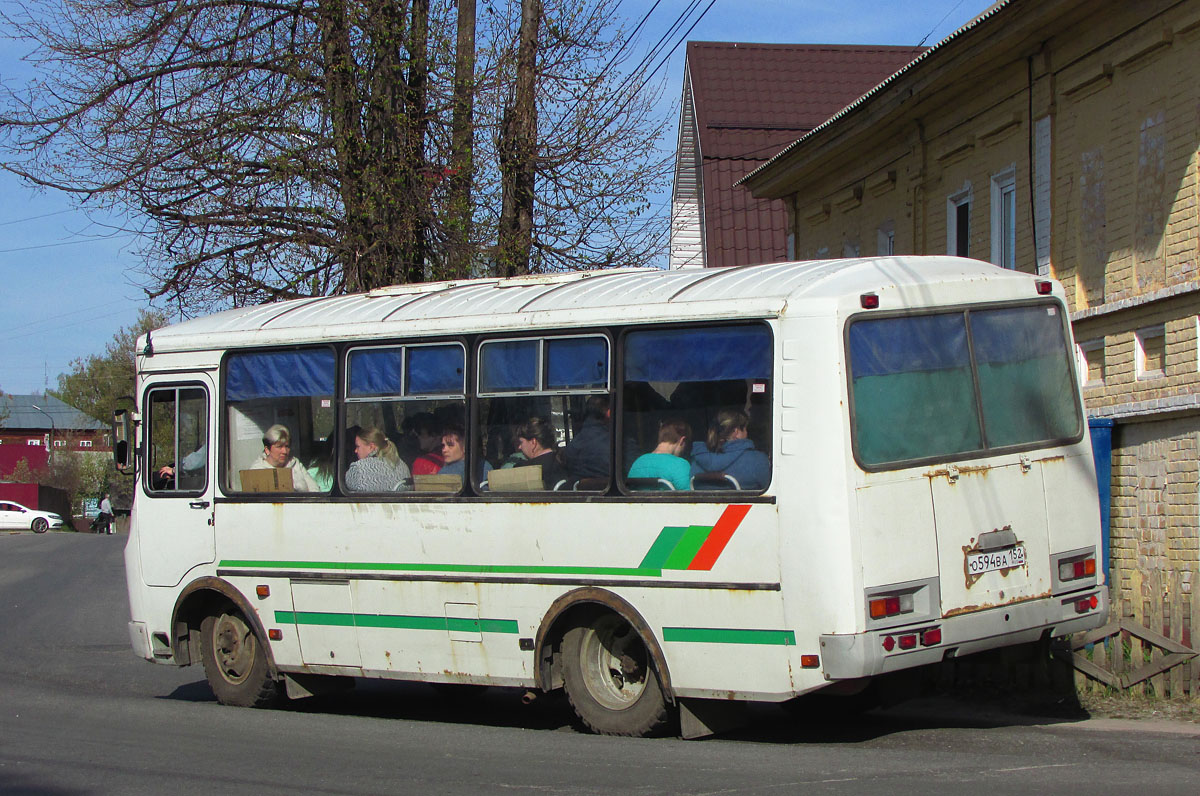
[{"x": 722, "y": 532}]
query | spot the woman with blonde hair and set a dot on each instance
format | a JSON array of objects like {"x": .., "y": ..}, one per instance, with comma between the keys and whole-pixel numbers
[
  {"x": 730, "y": 451},
  {"x": 378, "y": 467}
]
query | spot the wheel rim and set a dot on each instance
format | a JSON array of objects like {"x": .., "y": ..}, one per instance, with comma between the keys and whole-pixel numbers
[
  {"x": 614, "y": 662},
  {"x": 40, "y": 525},
  {"x": 234, "y": 647}
]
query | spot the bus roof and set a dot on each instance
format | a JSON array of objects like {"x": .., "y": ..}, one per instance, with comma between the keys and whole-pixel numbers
[{"x": 574, "y": 299}]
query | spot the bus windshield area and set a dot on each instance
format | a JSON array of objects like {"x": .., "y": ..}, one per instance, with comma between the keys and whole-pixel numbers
[{"x": 967, "y": 382}]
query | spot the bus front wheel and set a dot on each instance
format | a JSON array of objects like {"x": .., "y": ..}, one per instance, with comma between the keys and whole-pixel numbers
[
  {"x": 610, "y": 681},
  {"x": 234, "y": 661}
]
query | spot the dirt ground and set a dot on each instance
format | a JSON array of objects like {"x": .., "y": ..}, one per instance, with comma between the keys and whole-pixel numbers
[{"x": 1131, "y": 707}]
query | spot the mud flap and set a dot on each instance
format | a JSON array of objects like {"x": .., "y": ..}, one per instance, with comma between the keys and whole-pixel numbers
[{"x": 699, "y": 718}]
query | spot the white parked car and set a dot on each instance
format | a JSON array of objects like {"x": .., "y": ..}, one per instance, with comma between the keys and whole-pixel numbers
[{"x": 14, "y": 515}]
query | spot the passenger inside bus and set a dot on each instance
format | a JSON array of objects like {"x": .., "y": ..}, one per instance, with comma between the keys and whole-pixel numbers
[
  {"x": 378, "y": 467},
  {"x": 427, "y": 436},
  {"x": 320, "y": 466},
  {"x": 277, "y": 453},
  {"x": 535, "y": 439},
  {"x": 454, "y": 453},
  {"x": 667, "y": 460},
  {"x": 729, "y": 451}
]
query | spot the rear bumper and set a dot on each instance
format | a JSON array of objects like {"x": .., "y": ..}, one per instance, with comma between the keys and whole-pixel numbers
[{"x": 848, "y": 656}]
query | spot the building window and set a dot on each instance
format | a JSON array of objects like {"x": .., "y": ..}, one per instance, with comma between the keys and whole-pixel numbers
[
  {"x": 58, "y": 443},
  {"x": 1091, "y": 363},
  {"x": 1004, "y": 218},
  {"x": 36, "y": 443},
  {"x": 958, "y": 223},
  {"x": 885, "y": 239},
  {"x": 85, "y": 443},
  {"x": 1151, "y": 352}
]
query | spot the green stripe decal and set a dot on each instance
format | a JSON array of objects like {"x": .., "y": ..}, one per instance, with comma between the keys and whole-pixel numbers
[
  {"x": 656, "y": 558},
  {"x": 478, "y": 569},
  {"x": 689, "y": 545},
  {"x": 398, "y": 622},
  {"x": 724, "y": 635}
]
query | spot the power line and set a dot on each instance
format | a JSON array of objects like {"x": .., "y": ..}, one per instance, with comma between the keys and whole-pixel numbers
[
  {"x": 67, "y": 243},
  {"x": 921, "y": 43},
  {"x": 35, "y": 218}
]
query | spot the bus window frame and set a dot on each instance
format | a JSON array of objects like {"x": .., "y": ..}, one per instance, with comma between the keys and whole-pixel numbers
[
  {"x": 693, "y": 495},
  {"x": 404, "y": 395},
  {"x": 228, "y": 494},
  {"x": 144, "y": 447},
  {"x": 963, "y": 309}
]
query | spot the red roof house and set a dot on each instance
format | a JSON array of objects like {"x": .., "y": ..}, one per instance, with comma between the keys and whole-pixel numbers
[{"x": 742, "y": 104}]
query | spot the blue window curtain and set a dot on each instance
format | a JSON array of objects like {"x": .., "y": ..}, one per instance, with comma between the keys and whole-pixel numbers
[
  {"x": 436, "y": 370},
  {"x": 279, "y": 374},
  {"x": 577, "y": 363},
  {"x": 707, "y": 354},
  {"x": 508, "y": 366},
  {"x": 374, "y": 372}
]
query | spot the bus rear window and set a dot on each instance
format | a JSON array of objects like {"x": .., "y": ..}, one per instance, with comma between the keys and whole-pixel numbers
[{"x": 918, "y": 383}]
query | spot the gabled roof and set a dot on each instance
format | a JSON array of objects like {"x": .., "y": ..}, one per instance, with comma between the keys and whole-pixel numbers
[
  {"x": 22, "y": 415},
  {"x": 750, "y": 101}
]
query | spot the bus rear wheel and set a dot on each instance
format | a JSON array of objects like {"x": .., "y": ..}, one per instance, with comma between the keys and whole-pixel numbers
[
  {"x": 234, "y": 661},
  {"x": 610, "y": 681}
]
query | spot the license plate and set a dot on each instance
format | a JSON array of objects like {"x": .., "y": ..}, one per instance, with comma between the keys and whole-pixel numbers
[{"x": 1009, "y": 557}]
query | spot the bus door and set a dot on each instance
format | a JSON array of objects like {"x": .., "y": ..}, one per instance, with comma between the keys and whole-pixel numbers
[{"x": 175, "y": 510}]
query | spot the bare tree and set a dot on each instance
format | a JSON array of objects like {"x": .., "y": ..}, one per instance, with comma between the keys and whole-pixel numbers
[{"x": 282, "y": 148}]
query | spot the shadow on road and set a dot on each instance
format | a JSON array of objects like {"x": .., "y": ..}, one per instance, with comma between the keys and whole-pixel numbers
[{"x": 766, "y": 723}]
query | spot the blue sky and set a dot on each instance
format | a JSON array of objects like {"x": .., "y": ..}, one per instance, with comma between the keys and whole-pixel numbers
[{"x": 68, "y": 283}]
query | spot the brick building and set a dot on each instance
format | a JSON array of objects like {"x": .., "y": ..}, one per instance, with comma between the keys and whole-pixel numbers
[{"x": 1060, "y": 137}]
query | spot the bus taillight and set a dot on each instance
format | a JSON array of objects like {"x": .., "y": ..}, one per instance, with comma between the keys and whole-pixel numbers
[{"x": 886, "y": 605}]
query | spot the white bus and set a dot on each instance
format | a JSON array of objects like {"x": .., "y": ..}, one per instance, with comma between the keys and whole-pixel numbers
[{"x": 861, "y": 467}]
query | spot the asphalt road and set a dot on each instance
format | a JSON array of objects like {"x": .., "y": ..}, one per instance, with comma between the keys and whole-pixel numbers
[{"x": 79, "y": 714}]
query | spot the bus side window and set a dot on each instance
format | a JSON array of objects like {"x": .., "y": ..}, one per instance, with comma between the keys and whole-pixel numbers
[
  {"x": 714, "y": 381},
  {"x": 279, "y": 426},
  {"x": 554, "y": 390},
  {"x": 399, "y": 401}
]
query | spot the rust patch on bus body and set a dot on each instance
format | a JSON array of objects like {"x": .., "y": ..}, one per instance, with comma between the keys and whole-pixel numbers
[
  {"x": 969, "y": 469},
  {"x": 971, "y": 580},
  {"x": 968, "y": 609}
]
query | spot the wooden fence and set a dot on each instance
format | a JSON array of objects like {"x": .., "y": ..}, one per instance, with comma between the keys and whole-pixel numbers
[{"x": 1148, "y": 646}]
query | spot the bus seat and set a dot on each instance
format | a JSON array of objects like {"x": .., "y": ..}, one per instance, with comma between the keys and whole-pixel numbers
[
  {"x": 714, "y": 481},
  {"x": 592, "y": 484}
]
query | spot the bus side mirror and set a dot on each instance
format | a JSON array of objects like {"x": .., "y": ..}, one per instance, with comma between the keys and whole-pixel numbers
[{"x": 122, "y": 430}]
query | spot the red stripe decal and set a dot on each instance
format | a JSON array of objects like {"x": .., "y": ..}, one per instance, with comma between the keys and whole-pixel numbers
[{"x": 722, "y": 532}]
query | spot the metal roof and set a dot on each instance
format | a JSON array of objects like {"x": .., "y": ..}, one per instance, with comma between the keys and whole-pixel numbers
[
  {"x": 22, "y": 415},
  {"x": 866, "y": 98},
  {"x": 574, "y": 299},
  {"x": 751, "y": 100}
]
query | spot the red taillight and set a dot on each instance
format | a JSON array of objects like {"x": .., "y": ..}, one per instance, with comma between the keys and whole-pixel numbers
[
  {"x": 1086, "y": 604},
  {"x": 1094, "y": 600},
  {"x": 1043, "y": 287},
  {"x": 889, "y": 605},
  {"x": 889, "y": 643},
  {"x": 931, "y": 637},
  {"x": 1080, "y": 568},
  {"x": 869, "y": 301},
  {"x": 908, "y": 641}
]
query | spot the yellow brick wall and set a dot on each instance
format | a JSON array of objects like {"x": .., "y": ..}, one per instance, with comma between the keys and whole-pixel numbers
[{"x": 1122, "y": 92}]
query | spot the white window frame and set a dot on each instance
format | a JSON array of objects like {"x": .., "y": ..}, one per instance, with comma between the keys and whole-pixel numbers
[
  {"x": 964, "y": 196},
  {"x": 1004, "y": 237},
  {"x": 1084, "y": 351},
  {"x": 1140, "y": 338}
]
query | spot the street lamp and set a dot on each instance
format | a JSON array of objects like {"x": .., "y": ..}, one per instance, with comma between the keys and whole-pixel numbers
[{"x": 50, "y": 442}]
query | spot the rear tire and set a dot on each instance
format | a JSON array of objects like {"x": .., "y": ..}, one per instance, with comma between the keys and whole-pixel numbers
[
  {"x": 40, "y": 525},
  {"x": 610, "y": 680},
  {"x": 235, "y": 662}
]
